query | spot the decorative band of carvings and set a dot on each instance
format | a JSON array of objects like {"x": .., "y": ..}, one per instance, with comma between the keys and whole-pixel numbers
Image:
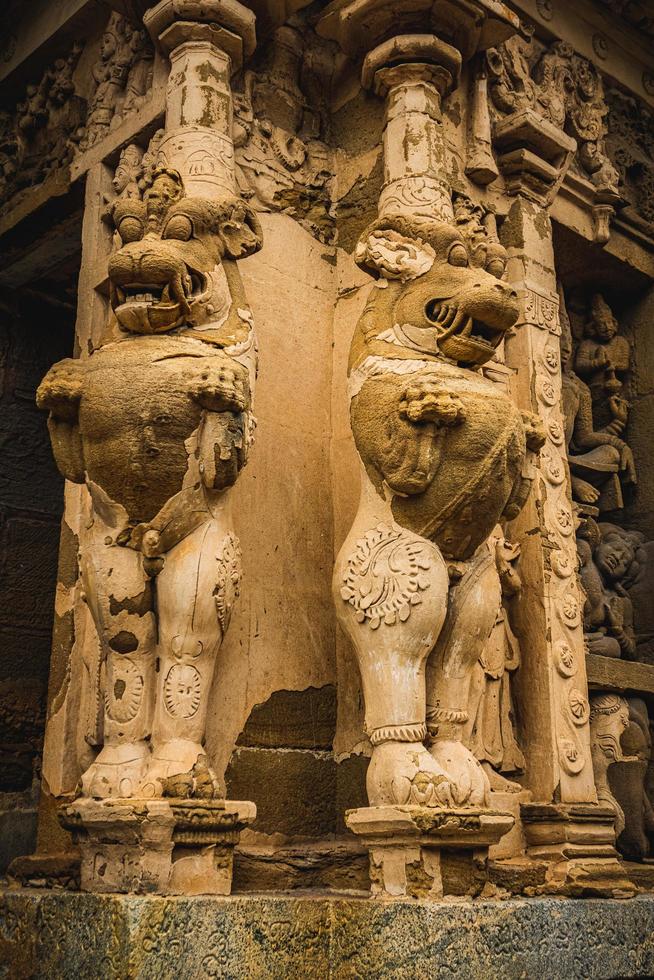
[
  {"x": 436, "y": 715},
  {"x": 399, "y": 733},
  {"x": 539, "y": 308}
]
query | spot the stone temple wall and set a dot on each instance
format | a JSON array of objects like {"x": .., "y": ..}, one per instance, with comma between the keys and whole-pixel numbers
[{"x": 326, "y": 487}]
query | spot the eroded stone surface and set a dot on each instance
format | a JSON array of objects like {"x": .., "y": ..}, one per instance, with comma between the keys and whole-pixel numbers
[{"x": 45, "y": 935}]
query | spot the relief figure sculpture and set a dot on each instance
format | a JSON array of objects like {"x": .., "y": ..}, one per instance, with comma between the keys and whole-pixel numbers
[
  {"x": 608, "y": 564},
  {"x": 600, "y": 461},
  {"x": 490, "y": 729}
]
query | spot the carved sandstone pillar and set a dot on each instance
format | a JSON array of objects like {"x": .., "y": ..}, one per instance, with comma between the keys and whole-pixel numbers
[
  {"x": 157, "y": 423},
  {"x": 564, "y": 825},
  {"x": 443, "y": 452}
]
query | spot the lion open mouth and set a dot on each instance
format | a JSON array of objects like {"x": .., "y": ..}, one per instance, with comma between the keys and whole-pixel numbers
[
  {"x": 153, "y": 307},
  {"x": 461, "y": 336}
]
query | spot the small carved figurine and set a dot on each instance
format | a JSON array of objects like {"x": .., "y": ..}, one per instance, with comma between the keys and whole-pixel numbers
[
  {"x": 490, "y": 731},
  {"x": 603, "y": 360},
  {"x": 609, "y": 718},
  {"x": 629, "y": 783},
  {"x": 608, "y": 557}
]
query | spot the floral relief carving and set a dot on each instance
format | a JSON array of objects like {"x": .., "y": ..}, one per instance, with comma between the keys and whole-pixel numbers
[
  {"x": 385, "y": 576},
  {"x": 228, "y": 581},
  {"x": 565, "y": 659},
  {"x": 126, "y": 695},
  {"x": 579, "y": 708},
  {"x": 182, "y": 690}
]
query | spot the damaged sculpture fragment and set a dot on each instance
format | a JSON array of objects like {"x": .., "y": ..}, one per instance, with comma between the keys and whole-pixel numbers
[{"x": 157, "y": 423}]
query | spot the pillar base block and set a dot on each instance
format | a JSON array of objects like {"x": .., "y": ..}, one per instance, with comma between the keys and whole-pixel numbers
[
  {"x": 427, "y": 852},
  {"x": 159, "y": 846},
  {"x": 577, "y": 843}
]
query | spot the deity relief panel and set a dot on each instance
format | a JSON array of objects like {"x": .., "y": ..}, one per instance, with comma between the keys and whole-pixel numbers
[
  {"x": 58, "y": 117},
  {"x": 38, "y": 137},
  {"x": 122, "y": 77},
  {"x": 614, "y": 561},
  {"x": 596, "y": 413}
]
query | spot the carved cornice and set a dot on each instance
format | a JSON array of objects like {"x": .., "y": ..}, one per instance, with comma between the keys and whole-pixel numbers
[{"x": 621, "y": 52}]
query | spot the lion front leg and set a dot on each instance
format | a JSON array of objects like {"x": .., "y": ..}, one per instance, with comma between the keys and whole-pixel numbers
[
  {"x": 390, "y": 590},
  {"x": 195, "y": 590},
  {"x": 119, "y": 596},
  {"x": 199, "y": 562},
  {"x": 475, "y": 598}
]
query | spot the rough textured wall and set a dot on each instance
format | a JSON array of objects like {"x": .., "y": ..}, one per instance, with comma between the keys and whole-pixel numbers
[
  {"x": 32, "y": 336},
  {"x": 281, "y": 638}
]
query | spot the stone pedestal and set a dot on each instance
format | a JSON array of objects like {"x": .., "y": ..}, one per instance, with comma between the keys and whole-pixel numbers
[
  {"x": 578, "y": 842},
  {"x": 424, "y": 852},
  {"x": 166, "y": 847},
  {"x": 513, "y": 842}
]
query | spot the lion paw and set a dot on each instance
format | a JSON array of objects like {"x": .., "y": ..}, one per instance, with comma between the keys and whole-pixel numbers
[
  {"x": 61, "y": 389},
  {"x": 429, "y": 403},
  {"x": 224, "y": 388}
]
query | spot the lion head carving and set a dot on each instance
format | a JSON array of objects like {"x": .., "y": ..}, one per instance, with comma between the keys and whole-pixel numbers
[
  {"x": 169, "y": 271},
  {"x": 441, "y": 300}
]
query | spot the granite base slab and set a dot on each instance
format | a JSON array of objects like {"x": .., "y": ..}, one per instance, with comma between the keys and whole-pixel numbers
[{"x": 61, "y": 935}]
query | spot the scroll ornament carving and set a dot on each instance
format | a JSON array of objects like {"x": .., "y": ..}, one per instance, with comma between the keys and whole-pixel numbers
[
  {"x": 385, "y": 576},
  {"x": 282, "y": 164},
  {"x": 157, "y": 424},
  {"x": 630, "y": 141},
  {"x": 540, "y": 309},
  {"x": 567, "y": 91}
]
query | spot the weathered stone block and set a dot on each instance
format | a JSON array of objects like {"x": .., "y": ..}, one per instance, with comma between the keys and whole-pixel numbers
[{"x": 52, "y": 935}]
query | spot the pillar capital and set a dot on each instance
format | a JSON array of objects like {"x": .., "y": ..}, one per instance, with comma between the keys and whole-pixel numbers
[
  {"x": 409, "y": 59},
  {"x": 226, "y": 24},
  {"x": 206, "y": 43},
  {"x": 467, "y": 25}
]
